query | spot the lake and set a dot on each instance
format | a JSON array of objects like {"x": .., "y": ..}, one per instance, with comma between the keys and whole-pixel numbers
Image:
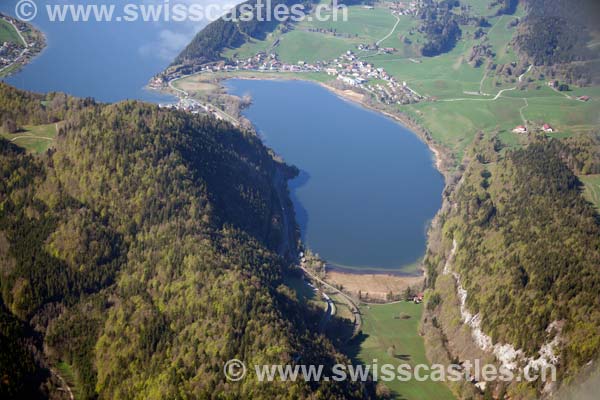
[
  {"x": 108, "y": 61},
  {"x": 368, "y": 187}
]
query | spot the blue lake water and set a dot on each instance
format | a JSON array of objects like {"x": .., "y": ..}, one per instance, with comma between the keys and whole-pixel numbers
[
  {"x": 368, "y": 188},
  {"x": 107, "y": 60}
]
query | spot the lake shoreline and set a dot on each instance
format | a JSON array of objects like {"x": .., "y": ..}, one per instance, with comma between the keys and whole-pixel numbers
[
  {"x": 31, "y": 50},
  {"x": 441, "y": 155}
]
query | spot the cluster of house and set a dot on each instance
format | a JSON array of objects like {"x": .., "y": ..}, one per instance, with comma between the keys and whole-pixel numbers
[
  {"x": 377, "y": 81},
  {"x": 523, "y": 129},
  {"x": 9, "y": 53},
  {"x": 404, "y": 8},
  {"x": 186, "y": 104},
  {"x": 375, "y": 47},
  {"x": 269, "y": 62},
  {"x": 347, "y": 68},
  {"x": 418, "y": 299}
]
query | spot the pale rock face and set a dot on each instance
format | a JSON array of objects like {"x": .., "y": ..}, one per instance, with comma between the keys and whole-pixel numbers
[{"x": 507, "y": 355}]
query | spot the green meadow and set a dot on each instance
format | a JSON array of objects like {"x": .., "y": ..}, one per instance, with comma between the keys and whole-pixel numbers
[
  {"x": 8, "y": 33},
  {"x": 390, "y": 335},
  {"x": 592, "y": 189},
  {"x": 36, "y": 139}
]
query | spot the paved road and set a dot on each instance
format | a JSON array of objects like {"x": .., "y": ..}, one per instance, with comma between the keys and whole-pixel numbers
[
  {"x": 391, "y": 32},
  {"x": 347, "y": 299}
]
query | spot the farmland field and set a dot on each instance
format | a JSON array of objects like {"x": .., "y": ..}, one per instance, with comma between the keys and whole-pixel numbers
[
  {"x": 36, "y": 139},
  {"x": 390, "y": 336},
  {"x": 8, "y": 33},
  {"x": 592, "y": 188}
]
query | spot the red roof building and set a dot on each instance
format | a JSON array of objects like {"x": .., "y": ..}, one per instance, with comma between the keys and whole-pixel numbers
[{"x": 547, "y": 128}]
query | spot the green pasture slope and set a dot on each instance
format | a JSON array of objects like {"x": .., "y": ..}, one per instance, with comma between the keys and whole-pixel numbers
[
  {"x": 592, "y": 188},
  {"x": 8, "y": 33},
  {"x": 390, "y": 336},
  {"x": 35, "y": 139}
]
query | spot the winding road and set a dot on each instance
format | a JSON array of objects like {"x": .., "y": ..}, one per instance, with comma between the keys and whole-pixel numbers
[
  {"x": 389, "y": 34},
  {"x": 31, "y": 137},
  {"x": 494, "y": 99}
]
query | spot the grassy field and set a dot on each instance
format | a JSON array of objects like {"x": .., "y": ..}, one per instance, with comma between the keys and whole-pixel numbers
[
  {"x": 311, "y": 47},
  {"x": 368, "y": 26},
  {"x": 390, "y": 336},
  {"x": 592, "y": 188},
  {"x": 36, "y": 139},
  {"x": 8, "y": 33}
]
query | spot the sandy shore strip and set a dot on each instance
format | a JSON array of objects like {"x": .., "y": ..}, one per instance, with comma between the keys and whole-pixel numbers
[{"x": 374, "y": 286}]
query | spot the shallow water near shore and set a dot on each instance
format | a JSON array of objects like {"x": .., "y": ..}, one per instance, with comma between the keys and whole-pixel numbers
[{"x": 368, "y": 187}]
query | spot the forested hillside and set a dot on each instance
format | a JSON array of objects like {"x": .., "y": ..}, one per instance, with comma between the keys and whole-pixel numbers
[
  {"x": 527, "y": 250},
  {"x": 440, "y": 26},
  {"x": 558, "y": 33},
  {"x": 140, "y": 252}
]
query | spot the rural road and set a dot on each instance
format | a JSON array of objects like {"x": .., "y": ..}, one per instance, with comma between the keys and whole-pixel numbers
[
  {"x": 331, "y": 310},
  {"x": 31, "y": 137},
  {"x": 391, "y": 32},
  {"x": 494, "y": 99}
]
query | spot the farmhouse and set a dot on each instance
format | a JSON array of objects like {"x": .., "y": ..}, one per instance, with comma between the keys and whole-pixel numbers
[
  {"x": 520, "y": 129},
  {"x": 547, "y": 128},
  {"x": 418, "y": 298}
]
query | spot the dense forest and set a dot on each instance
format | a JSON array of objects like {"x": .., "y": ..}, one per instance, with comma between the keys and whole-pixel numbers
[
  {"x": 439, "y": 25},
  {"x": 208, "y": 44},
  {"x": 557, "y": 32},
  {"x": 528, "y": 249},
  {"x": 140, "y": 251}
]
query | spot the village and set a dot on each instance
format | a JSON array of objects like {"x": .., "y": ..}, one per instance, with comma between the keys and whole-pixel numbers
[
  {"x": 12, "y": 53},
  {"x": 348, "y": 70},
  {"x": 186, "y": 104}
]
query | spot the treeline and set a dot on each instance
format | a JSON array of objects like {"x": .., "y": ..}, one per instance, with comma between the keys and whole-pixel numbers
[
  {"x": 219, "y": 35},
  {"x": 581, "y": 153},
  {"x": 439, "y": 25},
  {"x": 141, "y": 248},
  {"x": 529, "y": 252}
]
